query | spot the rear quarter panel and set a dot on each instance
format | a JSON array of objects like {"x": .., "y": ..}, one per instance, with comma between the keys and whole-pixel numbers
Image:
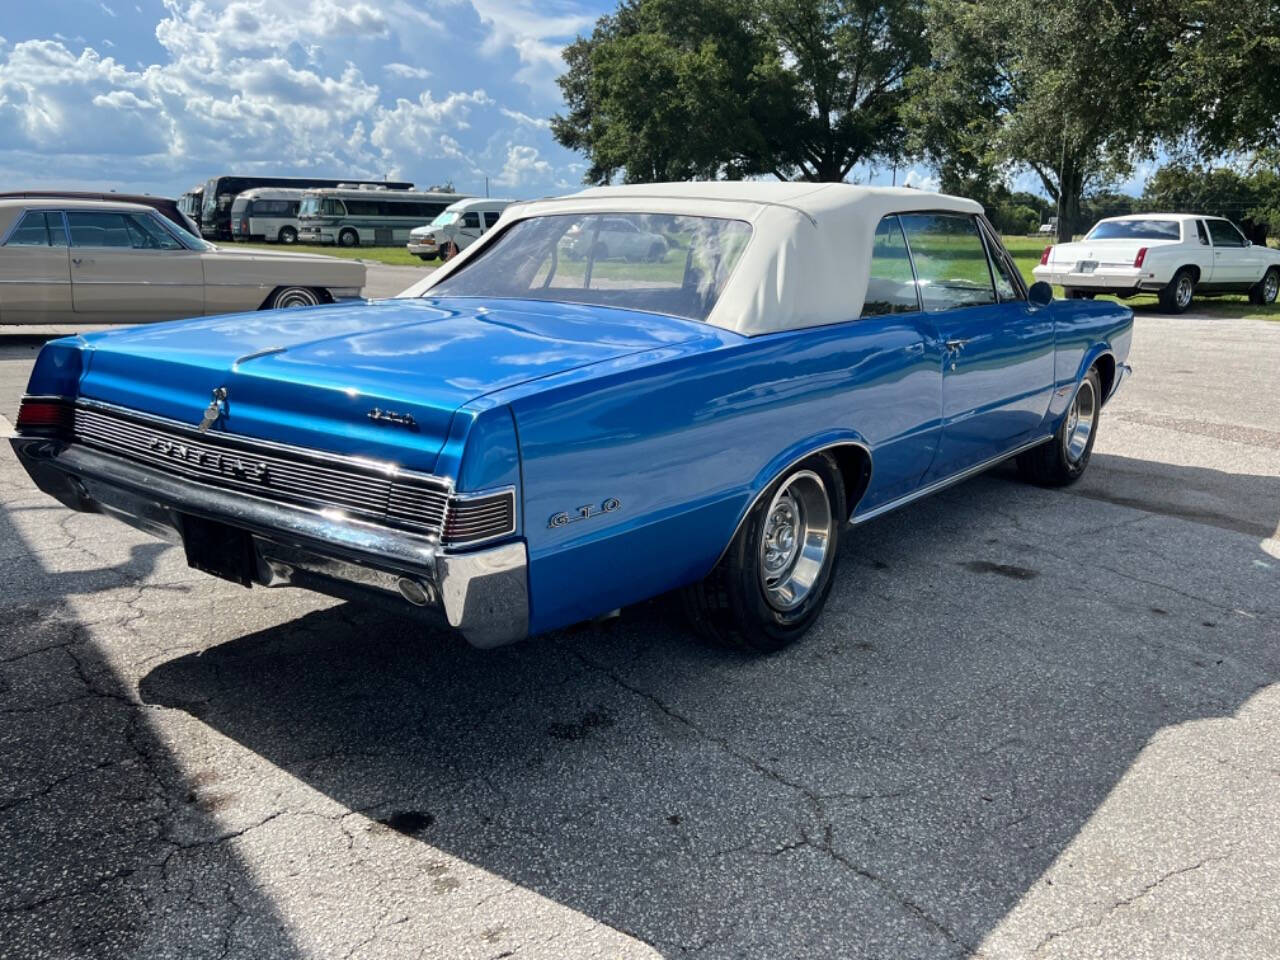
[
  {"x": 1085, "y": 330},
  {"x": 685, "y": 442},
  {"x": 241, "y": 281}
]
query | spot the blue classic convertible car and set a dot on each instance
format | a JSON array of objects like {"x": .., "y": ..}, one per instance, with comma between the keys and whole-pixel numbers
[{"x": 547, "y": 429}]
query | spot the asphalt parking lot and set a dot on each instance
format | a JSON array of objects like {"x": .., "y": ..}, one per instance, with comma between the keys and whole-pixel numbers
[{"x": 1030, "y": 723}]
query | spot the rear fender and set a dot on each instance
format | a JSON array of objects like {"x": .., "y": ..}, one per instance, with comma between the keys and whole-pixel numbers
[{"x": 834, "y": 441}]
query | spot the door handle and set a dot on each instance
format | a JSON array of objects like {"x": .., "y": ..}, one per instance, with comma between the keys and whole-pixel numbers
[
  {"x": 79, "y": 260},
  {"x": 956, "y": 345}
]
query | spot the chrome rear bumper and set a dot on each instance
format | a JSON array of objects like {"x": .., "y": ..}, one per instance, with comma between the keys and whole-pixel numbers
[{"x": 484, "y": 594}]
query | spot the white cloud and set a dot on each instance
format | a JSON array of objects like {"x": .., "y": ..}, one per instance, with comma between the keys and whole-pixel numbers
[
  {"x": 291, "y": 87},
  {"x": 525, "y": 119},
  {"x": 407, "y": 71},
  {"x": 107, "y": 10},
  {"x": 921, "y": 180},
  {"x": 523, "y": 165},
  {"x": 536, "y": 36}
]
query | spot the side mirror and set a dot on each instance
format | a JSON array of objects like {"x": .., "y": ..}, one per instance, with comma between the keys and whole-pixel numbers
[{"x": 1040, "y": 294}]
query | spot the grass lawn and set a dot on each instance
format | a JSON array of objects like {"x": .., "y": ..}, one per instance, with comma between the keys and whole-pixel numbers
[
  {"x": 1026, "y": 253},
  {"x": 392, "y": 256}
]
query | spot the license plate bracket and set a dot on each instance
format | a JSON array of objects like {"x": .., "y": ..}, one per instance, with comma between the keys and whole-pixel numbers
[
  {"x": 1088, "y": 266},
  {"x": 218, "y": 549}
]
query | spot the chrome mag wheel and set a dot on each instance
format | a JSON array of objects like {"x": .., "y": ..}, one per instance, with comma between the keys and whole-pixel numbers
[
  {"x": 1080, "y": 421},
  {"x": 1182, "y": 294},
  {"x": 796, "y": 538},
  {"x": 1270, "y": 286}
]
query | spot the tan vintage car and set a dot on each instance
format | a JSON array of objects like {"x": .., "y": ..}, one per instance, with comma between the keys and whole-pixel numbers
[{"x": 69, "y": 261}]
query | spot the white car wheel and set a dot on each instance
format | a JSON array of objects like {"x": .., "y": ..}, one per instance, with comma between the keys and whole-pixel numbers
[{"x": 290, "y": 298}]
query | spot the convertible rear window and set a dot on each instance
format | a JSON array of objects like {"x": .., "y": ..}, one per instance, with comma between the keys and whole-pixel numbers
[
  {"x": 1136, "y": 230},
  {"x": 659, "y": 263}
]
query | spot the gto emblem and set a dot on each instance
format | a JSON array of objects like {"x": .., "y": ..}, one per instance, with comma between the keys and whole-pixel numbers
[
  {"x": 584, "y": 513},
  {"x": 222, "y": 463},
  {"x": 378, "y": 415}
]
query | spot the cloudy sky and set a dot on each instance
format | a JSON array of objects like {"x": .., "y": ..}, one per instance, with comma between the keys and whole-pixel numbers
[{"x": 157, "y": 95}]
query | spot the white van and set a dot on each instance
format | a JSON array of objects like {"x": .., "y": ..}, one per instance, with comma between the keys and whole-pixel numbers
[
  {"x": 266, "y": 213},
  {"x": 456, "y": 229}
]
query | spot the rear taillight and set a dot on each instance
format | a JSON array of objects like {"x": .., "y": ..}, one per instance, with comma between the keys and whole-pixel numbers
[
  {"x": 1044, "y": 257},
  {"x": 44, "y": 415},
  {"x": 1142, "y": 255}
]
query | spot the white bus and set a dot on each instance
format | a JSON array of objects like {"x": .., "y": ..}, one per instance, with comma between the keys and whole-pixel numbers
[
  {"x": 266, "y": 213},
  {"x": 370, "y": 215}
]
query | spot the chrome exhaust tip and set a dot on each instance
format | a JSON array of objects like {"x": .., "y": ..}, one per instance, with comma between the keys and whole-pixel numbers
[{"x": 419, "y": 594}]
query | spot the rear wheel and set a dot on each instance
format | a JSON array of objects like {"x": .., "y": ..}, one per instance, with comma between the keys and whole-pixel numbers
[
  {"x": 348, "y": 238},
  {"x": 773, "y": 581},
  {"x": 287, "y": 298},
  {"x": 1063, "y": 460},
  {"x": 288, "y": 235},
  {"x": 1264, "y": 292},
  {"x": 1176, "y": 296}
]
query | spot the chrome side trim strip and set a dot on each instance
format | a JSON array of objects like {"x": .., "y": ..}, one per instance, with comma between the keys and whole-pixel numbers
[{"x": 945, "y": 482}]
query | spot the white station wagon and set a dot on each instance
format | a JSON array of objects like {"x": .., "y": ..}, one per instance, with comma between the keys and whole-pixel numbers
[{"x": 1175, "y": 255}]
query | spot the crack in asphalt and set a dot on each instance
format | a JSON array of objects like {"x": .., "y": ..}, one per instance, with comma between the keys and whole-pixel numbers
[
  {"x": 1128, "y": 901},
  {"x": 825, "y": 845}
]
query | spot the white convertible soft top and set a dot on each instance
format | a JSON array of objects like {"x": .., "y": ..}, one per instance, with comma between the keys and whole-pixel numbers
[{"x": 808, "y": 259}]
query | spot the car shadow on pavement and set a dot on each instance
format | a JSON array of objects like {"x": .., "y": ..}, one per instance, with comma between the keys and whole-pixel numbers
[
  {"x": 95, "y": 815},
  {"x": 990, "y": 665}
]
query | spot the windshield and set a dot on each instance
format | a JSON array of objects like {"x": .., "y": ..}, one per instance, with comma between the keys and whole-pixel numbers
[
  {"x": 189, "y": 240},
  {"x": 444, "y": 219},
  {"x": 310, "y": 207},
  {"x": 209, "y": 202},
  {"x": 658, "y": 263},
  {"x": 1136, "y": 230}
]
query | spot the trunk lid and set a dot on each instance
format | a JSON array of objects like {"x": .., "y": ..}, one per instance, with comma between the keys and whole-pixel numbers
[
  {"x": 311, "y": 377},
  {"x": 1105, "y": 253}
]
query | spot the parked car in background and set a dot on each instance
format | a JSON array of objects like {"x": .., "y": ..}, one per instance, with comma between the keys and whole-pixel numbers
[
  {"x": 71, "y": 261},
  {"x": 616, "y": 237},
  {"x": 521, "y": 441},
  {"x": 460, "y": 225},
  {"x": 170, "y": 209},
  {"x": 1172, "y": 255},
  {"x": 368, "y": 216},
  {"x": 266, "y": 213}
]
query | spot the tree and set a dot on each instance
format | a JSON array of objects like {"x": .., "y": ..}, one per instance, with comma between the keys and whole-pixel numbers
[
  {"x": 1250, "y": 198},
  {"x": 1065, "y": 89},
  {"x": 803, "y": 89},
  {"x": 1224, "y": 72}
]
